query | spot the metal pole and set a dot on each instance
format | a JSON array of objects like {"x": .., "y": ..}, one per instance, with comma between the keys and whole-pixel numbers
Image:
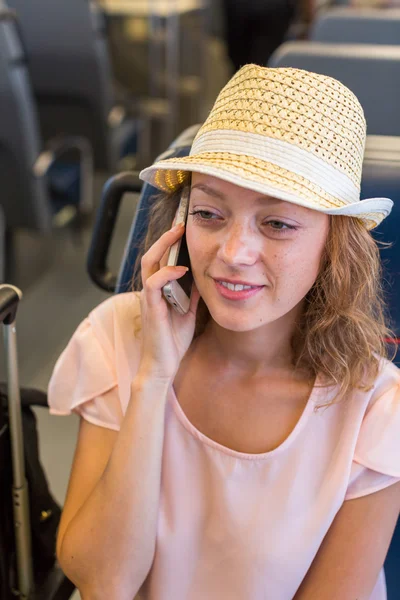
[
  {"x": 203, "y": 52},
  {"x": 156, "y": 67},
  {"x": 3, "y": 247},
  {"x": 172, "y": 67},
  {"x": 20, "y": 486},
  {"x": 86, "y": 176},
  {"x": 150, "y": 107}
]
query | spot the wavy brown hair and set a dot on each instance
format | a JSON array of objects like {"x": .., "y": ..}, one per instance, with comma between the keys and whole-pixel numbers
[{"x": 342, "y": 331}]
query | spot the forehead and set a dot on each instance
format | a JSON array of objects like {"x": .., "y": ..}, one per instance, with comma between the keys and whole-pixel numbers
[{"x": 211, "y": 187}]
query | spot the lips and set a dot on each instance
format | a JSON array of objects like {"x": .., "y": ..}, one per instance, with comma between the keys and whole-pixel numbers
[
  {"x": 237, "y": 282},
  {"x": 236, "y": 290},
  {"x": 236, "y": 287}
]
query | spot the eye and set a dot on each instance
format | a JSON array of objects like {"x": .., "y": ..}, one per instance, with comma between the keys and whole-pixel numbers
[
  {"x": 203, "y": 215},
  {"x": 278, "y": 226}
]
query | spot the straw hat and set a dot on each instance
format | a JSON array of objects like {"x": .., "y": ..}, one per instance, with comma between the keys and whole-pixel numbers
[{"x": 287, "y": 133}]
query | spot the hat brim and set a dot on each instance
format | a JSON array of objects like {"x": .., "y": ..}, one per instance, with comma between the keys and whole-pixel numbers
[{"x": 264, "y": 177}]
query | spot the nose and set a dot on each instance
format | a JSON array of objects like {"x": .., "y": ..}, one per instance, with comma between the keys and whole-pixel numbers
[{"x": 238, "y": 246}]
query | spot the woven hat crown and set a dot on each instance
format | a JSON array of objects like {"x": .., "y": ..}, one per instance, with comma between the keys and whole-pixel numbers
[{"x": 308, "y": 110}]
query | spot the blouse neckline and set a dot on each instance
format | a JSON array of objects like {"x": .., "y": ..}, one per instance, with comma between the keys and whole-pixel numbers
[{"x": 183, "y": 419}]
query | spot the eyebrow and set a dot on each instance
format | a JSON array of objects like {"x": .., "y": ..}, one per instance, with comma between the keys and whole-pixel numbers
[{"x": 217, "y": 194}]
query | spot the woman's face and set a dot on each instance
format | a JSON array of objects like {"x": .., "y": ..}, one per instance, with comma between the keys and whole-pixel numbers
[{"x": 253, "y": 257}]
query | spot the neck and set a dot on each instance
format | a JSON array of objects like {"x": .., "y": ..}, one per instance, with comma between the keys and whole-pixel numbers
[{"x": 262, "y": 351}]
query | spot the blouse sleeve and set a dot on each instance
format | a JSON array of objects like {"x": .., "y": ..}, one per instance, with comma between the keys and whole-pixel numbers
[
  {"x": 93, "y": 374},
  {"x": 376, "y": 462}
]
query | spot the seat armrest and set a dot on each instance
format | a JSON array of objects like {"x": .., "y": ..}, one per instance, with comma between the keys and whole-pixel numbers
[{"x": 59, "y": 147}]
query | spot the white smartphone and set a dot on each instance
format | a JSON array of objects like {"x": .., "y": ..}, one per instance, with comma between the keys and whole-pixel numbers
[{"x": 178, "y": 293}]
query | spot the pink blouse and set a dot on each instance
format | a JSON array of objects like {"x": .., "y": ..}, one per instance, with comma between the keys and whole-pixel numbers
[{"x": 235, "y": 525}]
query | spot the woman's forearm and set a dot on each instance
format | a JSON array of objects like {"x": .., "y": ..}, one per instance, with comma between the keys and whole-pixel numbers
[{"x": 108, "y": 547}]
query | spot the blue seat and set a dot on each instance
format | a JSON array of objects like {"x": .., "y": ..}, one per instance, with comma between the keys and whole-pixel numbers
[
  {"x": 346, "y": 25},
  {"x": 72, "y": 78},
  {"x": 379, "y": 179},
  {"x": 381, "y": 169},
  {"x": 23, "y": 200},
  {"x": 368, "y": 70},
  {"x": 34, "y": 194},
  {"x": 113, "y": 193}
]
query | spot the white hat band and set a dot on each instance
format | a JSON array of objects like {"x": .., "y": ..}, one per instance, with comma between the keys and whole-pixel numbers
[{"x": 284, "y": 155}]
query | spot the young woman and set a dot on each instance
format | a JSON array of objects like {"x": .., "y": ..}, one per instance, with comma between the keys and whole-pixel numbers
[{"x": 248, "y": 449}]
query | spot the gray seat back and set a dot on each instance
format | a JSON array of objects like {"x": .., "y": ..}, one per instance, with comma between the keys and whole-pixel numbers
[
  {"x": 355, "y": 26},
  {"x": 23, "y": 196},
  {"x": 372, "y": 72},
  {"x": 70, "y": 69}
]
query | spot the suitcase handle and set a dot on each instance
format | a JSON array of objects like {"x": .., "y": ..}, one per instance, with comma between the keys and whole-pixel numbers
[{"x": 9, "y": 300}]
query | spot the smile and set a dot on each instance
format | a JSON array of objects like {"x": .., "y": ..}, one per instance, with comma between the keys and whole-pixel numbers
[
  {"x": 238, "y": 287},
  {"x": 236, "y": 291}
]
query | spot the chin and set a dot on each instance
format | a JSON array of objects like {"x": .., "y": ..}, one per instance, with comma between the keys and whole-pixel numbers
[{"x": 237, "y": 319}]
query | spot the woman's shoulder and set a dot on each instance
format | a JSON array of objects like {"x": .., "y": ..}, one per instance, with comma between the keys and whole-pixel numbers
[
  {"x": 119, "y": 306},
  {"x": 102, "y": 355},
  {"x": 116, "y": 323},
  {"x": 377, "y": 447},
  {"x": 388, "y": 377},
  {"x": 118, "y": 311}
]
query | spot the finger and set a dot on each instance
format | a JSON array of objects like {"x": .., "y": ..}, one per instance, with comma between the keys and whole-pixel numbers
[
  {"x": 150, "y": 262},
  {"x": 164, "y": 259},
  {"x": 156, "y": 282}
]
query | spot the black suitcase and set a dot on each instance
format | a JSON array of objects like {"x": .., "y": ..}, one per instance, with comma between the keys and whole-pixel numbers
[{"x": 28, "y": 522}]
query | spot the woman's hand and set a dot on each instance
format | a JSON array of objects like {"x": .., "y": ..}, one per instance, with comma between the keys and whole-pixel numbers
[{"x": 166, "y": 335}]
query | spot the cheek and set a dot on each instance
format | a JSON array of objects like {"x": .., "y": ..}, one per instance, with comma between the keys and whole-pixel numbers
[
  {"x": 296, "y": 271},
  {"x": 198, "y": 249},
  {"x": 195, "y": 253}
]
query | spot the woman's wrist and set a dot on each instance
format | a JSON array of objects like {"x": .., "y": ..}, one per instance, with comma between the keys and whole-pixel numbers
[
  {"x": 155, "y": 370},
  {"x": 149, "y": 378}
]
